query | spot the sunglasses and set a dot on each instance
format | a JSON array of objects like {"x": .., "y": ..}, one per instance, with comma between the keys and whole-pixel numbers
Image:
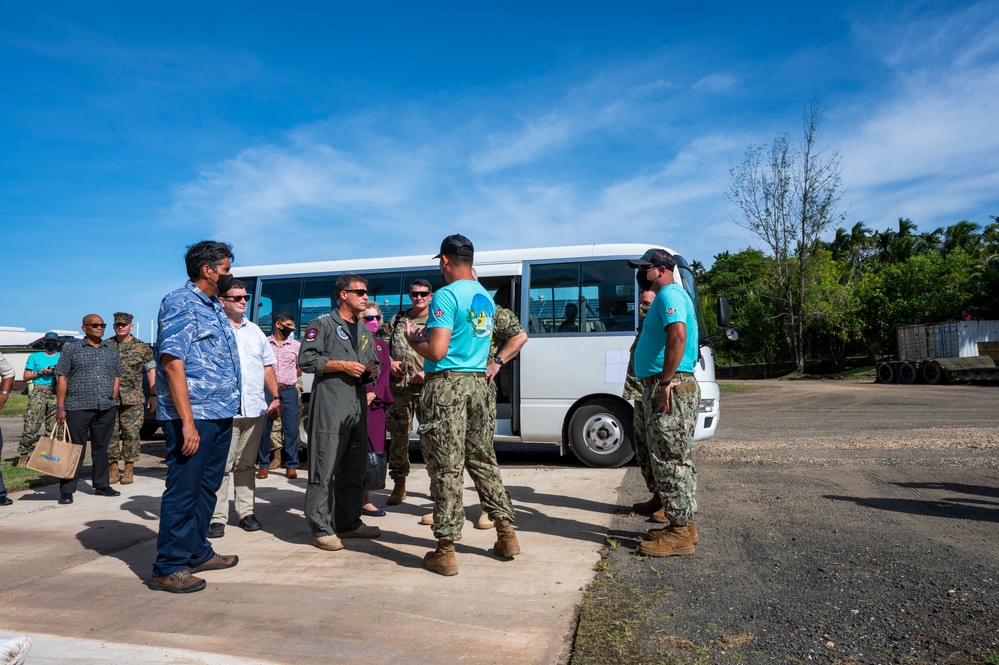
[
  {"x": 419, "y": 294},
  {"x": 357, "y": 292},
  {"x": 373, "y": 317},
  {"x": 121, "y": 325},
  {"x": 96, "y": 325},
  {"x": 237, "y": 298}
]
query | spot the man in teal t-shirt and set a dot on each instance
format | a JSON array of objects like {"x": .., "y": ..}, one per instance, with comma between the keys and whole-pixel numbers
[
  {"x": 665, "y": 357},
  {"x": 454, "y": 414},
  {"x": 41, "y": 408}
]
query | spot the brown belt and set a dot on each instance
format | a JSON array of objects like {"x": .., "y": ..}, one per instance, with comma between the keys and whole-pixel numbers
[
  {"x": 447, "y": 374},
  {"x": 650, "y": 380},
  {"x": 286, "y": 385}
]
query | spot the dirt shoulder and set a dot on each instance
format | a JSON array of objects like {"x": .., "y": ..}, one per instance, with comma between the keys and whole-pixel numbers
[{"x": 840, "y": 523}]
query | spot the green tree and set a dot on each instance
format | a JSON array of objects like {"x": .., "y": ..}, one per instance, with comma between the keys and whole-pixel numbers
[{"x": 787, "y": 197}]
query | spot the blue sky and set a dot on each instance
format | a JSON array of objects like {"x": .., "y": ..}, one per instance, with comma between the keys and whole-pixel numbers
[{"x": 318, "y": 131}]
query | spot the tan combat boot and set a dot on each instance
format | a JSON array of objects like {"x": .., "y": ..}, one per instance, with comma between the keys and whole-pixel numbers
[
  {"x": 23, "y": 460},
  {"x": 126, "y": 475},
  {"x": 507, "y": 544},
  {"x": 398, "y": 492},
  {"x": 654, "y": 534},
  {"x": 650, "y": 506},
  {"x": 114, "y": 473},
  {"x": 484, "y": 521},
  {"x": 441, "y": 560},
  {"x": 275, "y": 460},
  {"x": 676, "y": 540},
  {"x": 660, "y": 516}
]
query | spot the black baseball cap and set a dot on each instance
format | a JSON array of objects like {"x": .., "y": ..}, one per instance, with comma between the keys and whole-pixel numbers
[
  {"x": 50, "y": 337},
  {"x": 457, "y": 245},
  {"x": 654, "y": 257}
]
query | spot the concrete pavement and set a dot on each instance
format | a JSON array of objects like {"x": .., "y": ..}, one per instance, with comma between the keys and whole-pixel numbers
[{"x": 74, "y": 579}]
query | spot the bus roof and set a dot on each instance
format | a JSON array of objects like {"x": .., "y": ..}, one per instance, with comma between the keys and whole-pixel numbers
[{"x": 494, "y": 258}]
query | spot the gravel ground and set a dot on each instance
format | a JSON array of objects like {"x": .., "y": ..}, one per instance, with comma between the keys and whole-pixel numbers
[{"x": 840, "y": 522}]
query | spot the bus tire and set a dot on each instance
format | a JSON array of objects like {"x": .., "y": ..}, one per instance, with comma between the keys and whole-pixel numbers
[
  {"x": 600, "y": 434},
  {"x": 907, "y": 373},
  {"x": 886, "y": 373},
  {"x": 932, "y": 373}
]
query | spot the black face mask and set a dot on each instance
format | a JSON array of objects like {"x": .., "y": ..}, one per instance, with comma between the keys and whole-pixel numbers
[
  {"x": 50, "y": 347},
  {"x": 644, "y": 283},
  {"x": 224, "y": 283},
  {"x": 286, "y": 330}
]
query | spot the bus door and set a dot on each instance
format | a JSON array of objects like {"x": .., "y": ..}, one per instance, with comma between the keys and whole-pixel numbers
[{"x": 506, "y": 293}]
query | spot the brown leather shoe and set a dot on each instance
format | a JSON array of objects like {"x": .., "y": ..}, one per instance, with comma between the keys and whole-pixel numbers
[
  {"x": 262, "y": 472},
  {"x": 650, "y": 506},
  {"x": 292, "y": 474},
  {"x": 328, "y": 543},
  {"x": 181, "y": 581},
  {"x": 676, "y": 540},
  {"x": 217, "y": 562}
]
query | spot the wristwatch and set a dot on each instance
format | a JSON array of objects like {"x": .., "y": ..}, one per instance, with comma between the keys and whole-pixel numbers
[
  {"x": 499, "y": 361},
  {"x": 5, "y": 392}
]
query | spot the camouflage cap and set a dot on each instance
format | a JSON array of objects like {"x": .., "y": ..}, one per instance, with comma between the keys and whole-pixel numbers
[{"x": 122, "y": 317}]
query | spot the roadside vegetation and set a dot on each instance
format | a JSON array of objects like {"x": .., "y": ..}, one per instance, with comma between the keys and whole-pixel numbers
[
  {"x": 20, "y": 478},
  {"x": 820, "y": 291}
]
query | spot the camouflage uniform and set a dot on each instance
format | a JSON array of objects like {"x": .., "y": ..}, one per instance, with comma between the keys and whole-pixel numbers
[
  {"x": 456, "y": 433},
  {"x": 633, "y": 391},
  {"x": 506, "y": 326},
  {"x": 136, "y": 359},
  {"x": 456, "y": 423},
  {"x": 41, "y": 410},
  {"x": 399, "y": 418},
  {"x": 670, "y": 439}
]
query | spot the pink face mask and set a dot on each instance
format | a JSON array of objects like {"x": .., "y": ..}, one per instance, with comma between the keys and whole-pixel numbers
[{"x": 372, "y": 325}]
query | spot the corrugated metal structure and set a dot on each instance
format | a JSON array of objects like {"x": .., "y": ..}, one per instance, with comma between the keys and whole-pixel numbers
[{"x": 954, "y": 339}]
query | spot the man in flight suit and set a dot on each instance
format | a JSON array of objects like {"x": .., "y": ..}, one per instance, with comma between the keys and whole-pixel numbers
[
  {"x": 341, "y": 354},
  {"x": 457, "y": 434}
]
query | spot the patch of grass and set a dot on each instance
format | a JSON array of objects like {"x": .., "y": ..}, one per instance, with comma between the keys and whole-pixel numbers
[
  {"x": 22, "y": 478},
  {"x": 612, "y": 627},
  {"x": 985, "y": 658},
  {"x": 737, "y": 388},
  {"x": 15, "y": 406},
  {"x": 613, "y": 543}
]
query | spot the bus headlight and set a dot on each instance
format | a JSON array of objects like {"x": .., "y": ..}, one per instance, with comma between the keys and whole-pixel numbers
[{"x": 707, "y": 406}]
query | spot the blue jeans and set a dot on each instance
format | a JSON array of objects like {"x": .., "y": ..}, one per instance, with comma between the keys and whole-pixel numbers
[
  {"x": 189, "y": 498},
  {"x": 289, "y": 426}
]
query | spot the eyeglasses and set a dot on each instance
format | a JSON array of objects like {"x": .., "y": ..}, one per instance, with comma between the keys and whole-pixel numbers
[
  {"x": 237, "y": 298},
  {"x": 96, "y": 325},
  {"x": 419, "y": 294},
  {"x": 121, "y": 325},
  {"x": 373, "y": 317},
  {"x": 357, "y": 292}
]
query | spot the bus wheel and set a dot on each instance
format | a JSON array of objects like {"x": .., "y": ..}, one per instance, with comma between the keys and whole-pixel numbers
[{"x": 600, "y": 434}]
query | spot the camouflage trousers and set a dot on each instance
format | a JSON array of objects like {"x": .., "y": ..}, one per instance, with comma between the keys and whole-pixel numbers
[
  {"x": 642, "y": 445},
  {"x": 41, "y": 410},
  {"x": 124, "y": 444},
  {"x": 670, "y": 437},
  {"x": 399, "y": 423},
  {"x": 454, "y": 436}
]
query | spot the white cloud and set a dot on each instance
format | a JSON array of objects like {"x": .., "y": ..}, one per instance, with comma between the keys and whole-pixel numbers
[
  {"x": 925, "y": 146},
  {"x": 715, "y": 83}
]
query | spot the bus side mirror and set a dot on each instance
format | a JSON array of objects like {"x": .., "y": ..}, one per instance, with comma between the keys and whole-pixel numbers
[
  {"x": 731, "y": 334},
  {"x": 723, "y": 312}
]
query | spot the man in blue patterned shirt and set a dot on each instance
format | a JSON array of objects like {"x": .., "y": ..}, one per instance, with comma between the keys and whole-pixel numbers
[{"x": 197, "y": 385}]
